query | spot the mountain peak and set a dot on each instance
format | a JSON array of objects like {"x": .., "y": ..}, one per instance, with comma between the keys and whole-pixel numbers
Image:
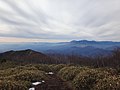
[
  {"x": 27, "y": 51},
  {"x": 27, "y": 55},
  {"x": 82, "y": 41}
]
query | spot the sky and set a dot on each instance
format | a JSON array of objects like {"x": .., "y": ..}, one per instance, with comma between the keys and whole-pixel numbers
[{"x": 59, "y": 20}]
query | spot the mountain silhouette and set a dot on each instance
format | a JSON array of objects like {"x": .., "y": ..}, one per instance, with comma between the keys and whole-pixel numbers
[{"x": 25, "y": 56}]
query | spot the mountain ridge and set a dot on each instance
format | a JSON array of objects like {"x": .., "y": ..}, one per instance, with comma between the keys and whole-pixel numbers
[
  {"x": 27, "y": 55},
  {"x": 79, "y": 47}
]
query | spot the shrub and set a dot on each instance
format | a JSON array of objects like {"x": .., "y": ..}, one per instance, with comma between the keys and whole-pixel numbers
[
  {"x": 17, "y": 70},
  {"x": 43, "y": 67},
  {"x": 7, "y": 72},
  {"x": 108, "y": 83},
  {"x": 86, "y": 79},
  {"x": 8, "y": 64},
  {"x": 68, "y": 73},
  {"x": 20, "y": 78},
  {"x": 14, "y": 85},
  {"x": 32, "y": 67},
  {"x": 56, "y": 68},
  {"x": 31, "y": 75},
  {"x": 109, "y": 70}
]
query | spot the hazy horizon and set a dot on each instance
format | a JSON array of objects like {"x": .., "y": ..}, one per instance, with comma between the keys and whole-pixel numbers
[
  {"x": 59, "y": 20},
  {"x": 20, "y": 40}
]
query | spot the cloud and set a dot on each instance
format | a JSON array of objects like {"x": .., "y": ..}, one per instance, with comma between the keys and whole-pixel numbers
[{"x": 60, "y": 19}]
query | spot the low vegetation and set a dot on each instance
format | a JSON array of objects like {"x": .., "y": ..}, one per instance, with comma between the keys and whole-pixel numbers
[
  {"x": 68, "y": 73},
  {"x": 108, "y": 83},
  {"x": 21, "y": 77},
  {"x": 81, "y": 78}
]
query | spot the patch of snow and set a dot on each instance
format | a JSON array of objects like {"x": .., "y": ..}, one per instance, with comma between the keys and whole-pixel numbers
[
  {"x": 36, "y": 83},
  {"x": 43, "y": 81},
  {"x": 32, "y": 88},
  {"x": 50, "y": 73}
]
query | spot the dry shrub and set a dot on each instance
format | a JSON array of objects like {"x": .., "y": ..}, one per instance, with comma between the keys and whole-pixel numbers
[
  {"x": 86, "y": 79},
  {"x": 14, "y": 85},
  {"x": 9, "y": 78},
  {"x": 43, "y": 67},
  {"x": 56, "y": 68},
  {"x": 68, "y": 73},
  {"x": 109, "y": 70},
  {"x": 31, "y": 75},
  {"x": 17, "y": 70},
  {"x": 108, "y": 83}
]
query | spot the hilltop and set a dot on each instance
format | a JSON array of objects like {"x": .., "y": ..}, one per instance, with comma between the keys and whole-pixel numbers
[{"x": 25, "y": 56}]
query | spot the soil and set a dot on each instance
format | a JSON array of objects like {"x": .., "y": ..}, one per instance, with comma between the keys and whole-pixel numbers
[{"x": 55, "y": 83}]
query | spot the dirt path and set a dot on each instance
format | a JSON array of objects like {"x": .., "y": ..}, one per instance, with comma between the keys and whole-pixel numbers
[{"x": 55, "y": 83}]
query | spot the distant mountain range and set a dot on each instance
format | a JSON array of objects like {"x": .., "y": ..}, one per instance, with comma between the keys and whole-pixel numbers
[{"x": 82, "y": 47}]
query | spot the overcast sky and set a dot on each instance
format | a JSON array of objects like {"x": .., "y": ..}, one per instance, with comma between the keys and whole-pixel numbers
[{"x": 59, "y": 20}]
